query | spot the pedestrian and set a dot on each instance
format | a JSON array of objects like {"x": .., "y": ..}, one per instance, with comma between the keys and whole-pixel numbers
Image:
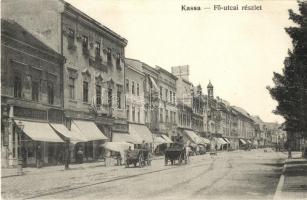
[
  {"x": 24, "y": 156},
  {"x": 80, "y": 155},
  {"x": 38, "y": 156},
  {"x": 143, "y": 145}
]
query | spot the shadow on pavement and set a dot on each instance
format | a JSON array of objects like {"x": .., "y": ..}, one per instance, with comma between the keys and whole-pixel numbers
[{"x": 273, "y": 164}]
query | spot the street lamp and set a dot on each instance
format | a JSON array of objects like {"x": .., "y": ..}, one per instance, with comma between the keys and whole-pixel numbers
[{"x": 19, "y": 167}]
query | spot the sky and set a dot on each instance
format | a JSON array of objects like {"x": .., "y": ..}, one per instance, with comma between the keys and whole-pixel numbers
[{"x": 236, "y": 50}]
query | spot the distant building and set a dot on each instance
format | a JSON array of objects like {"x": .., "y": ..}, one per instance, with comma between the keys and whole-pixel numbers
[
  {"x": 137, "y": 115},
  {"x": 167, "y": 102}
]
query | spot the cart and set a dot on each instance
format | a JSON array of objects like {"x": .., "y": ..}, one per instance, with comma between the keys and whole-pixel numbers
[
  {"x": 176, "y": 152},
  {"x": 141, "y": 157}
]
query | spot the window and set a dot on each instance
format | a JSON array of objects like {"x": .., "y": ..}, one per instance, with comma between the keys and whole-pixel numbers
[
  {"x": 133, "y": 92},
  {"x": 17, "y": 87},
  {"x": 138, "y": 89},
  {"x": 109, "y": 56},
  {"x": 118, "y": 60},
  {"x": 98, "y": 95},
  {"x": 139, "y": 117},
  {"x": 166, "y": 94},
  {"x": 161, "y": 92},
  {"x": 71, "y": 86},
  {"x": 71, "y": 33},
  {"x": 35, "y": 90},
  {"x": 110, "y": 97},
  {"x": 97, "y": 48},
  {"x": 128, "y": 110},
  {"x": 50, "y": 93},
  {"x": 119, "y": 94},
  {"x": 161, "y": 114},
  {"x": 85, "y": 42},
  {"x": 127, "y": 85},
  {"x": 171, "y": 117},
  {"x": 174, "y": 97},
  {"x": 166, "y": 116},
  {"x": 85, "y": 91},
  {"x": 133, "y": 114},
  {"x": 170, "y": 96}
]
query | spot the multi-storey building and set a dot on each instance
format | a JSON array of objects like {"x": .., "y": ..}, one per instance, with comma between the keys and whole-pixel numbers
[
  {"x": 246, "y": 129},
  {"x": 137, "y": 115},
  {"x": 260, "y": 135},
  {"x": 167, "y": 102},
  {"x": 184, "y": 100},
  {"x": 31, "y": 98},
  {"x": 151, "y": 98},
  {"x": 198, "y": 111},
  {"x": 93, "y": 75}
]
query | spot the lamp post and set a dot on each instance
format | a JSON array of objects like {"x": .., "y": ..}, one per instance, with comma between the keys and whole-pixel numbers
[{"x": 19, "y": 167}]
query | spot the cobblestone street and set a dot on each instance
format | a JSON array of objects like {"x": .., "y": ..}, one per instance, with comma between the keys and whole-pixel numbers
[{"x": 252, "y": 174}]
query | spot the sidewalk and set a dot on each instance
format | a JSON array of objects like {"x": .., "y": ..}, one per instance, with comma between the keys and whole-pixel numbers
[
  {"x": 9, "y": 172},
  {"x": 293, "y": 182}
]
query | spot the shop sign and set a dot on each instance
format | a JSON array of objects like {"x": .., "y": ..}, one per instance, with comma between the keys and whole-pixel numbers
[{"x": 30, "y": 113}]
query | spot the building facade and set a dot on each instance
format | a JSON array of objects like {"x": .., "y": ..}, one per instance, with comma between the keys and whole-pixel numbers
[
  {"x": 93, "y": 75},
  {"x": 31, "y": 97},
  {"x": 167, "y": 102}
]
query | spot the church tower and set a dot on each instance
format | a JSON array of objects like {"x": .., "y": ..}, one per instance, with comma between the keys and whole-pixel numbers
[{"x": 210, "y": 90}]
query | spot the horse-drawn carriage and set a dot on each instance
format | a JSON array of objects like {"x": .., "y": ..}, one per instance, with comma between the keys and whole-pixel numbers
[
  {"x": 138, "y": 156},
  {"x": 176, "y": 152}
]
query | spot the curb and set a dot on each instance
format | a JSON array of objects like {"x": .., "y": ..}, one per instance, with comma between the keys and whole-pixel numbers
[{"x": 281, "y": 182}]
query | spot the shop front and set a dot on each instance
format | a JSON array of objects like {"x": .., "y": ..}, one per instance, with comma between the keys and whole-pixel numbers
[{"x": 39, "y": 144}]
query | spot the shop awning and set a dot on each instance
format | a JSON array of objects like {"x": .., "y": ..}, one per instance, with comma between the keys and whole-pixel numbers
[
  {"x": 157, "y": 140},
  {"x": 89, "y": 130},
  {"x": 220, "y": 141},
  {"x": 205, "y": 140},
  {"x": 39, "y": 131},
  {"x": 192, "y": 135},
  {"x": 227, "y": 140},
  {"x": 74, "y": 136},
  {"x": 137, "y": 130},
  {"x": 125, "y": 137},
  {"x": 166, "y": 138},
  {"x": 242, "y": 141},
  {"x": 117, "y": 146}
]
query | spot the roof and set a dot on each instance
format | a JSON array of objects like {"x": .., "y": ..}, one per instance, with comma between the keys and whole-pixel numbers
[
  {"x": 134, "y": 64},
  {"x": 16, "y": 32},
  {"x": 160, "y": 69},
  {"x": 104, "y": 28},
  {"x": 272, "y": 125},
  {"x": 242, "y": 111}
]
